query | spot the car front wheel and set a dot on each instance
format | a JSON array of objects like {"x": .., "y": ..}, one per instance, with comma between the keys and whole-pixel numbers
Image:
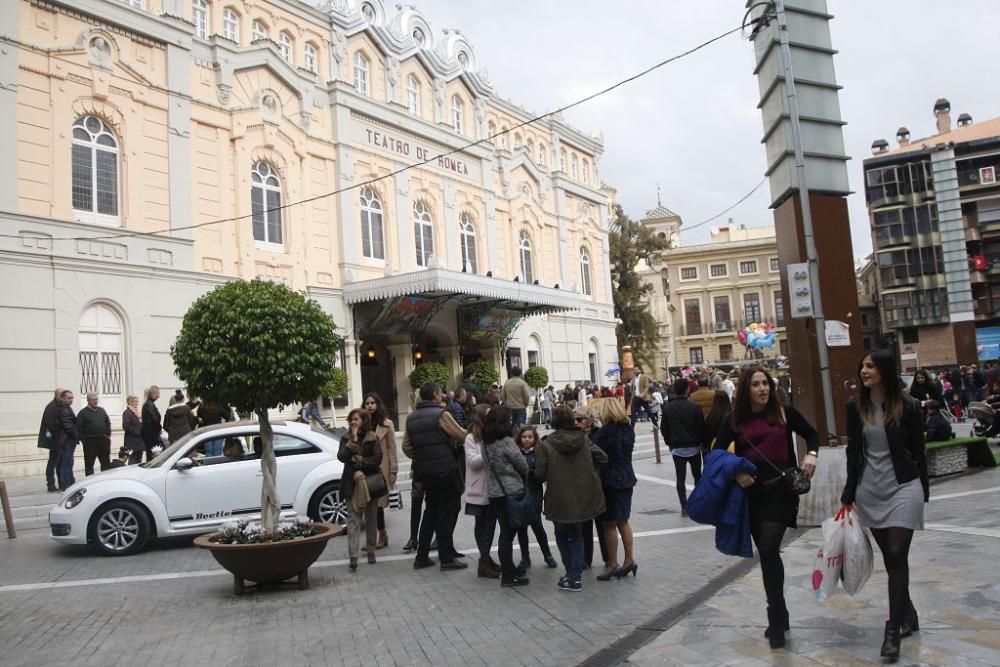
[
  {"x": 327, "y": 505},
  {"x": 121, "y": 528}
]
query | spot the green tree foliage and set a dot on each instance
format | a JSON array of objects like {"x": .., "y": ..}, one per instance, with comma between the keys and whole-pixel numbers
[
  {"x": 256, "y": 345},
  {"x": 338, "y": 385},
  {"x": 629, "y": 243},
  {"x": 430, "y": 372},
  {"x": 486, "y": 374},
  {"x": 536, "y": 377}
]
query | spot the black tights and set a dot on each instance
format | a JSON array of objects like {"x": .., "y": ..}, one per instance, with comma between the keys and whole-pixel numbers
[
  {"x": 767, "y": 536},
  {"x": 538, "y": 528},
  {"x": 894, "y": 543}
]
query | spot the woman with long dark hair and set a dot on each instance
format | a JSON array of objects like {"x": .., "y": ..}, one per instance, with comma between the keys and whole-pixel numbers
[
  {"x": 924, "y": 388},
  {"x": 887, "y": 483},
  {"x": 362, "y": 457},
  {"x": 477, "y": 497},
  {"x": 721, "y": 407},
  {"x": 763, "y": 430},
  {"x": 506, "y": 475},
  {"x": 385, "y": 433}
]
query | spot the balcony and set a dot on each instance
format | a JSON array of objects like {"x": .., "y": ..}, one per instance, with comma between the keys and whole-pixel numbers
[{"x": 695, "y": 329}]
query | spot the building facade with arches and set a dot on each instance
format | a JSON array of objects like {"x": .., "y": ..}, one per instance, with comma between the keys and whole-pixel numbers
[{"x": 159, "y": 148}]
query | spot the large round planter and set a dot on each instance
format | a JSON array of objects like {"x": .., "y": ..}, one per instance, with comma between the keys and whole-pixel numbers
[{"x": 270, "y": 562}]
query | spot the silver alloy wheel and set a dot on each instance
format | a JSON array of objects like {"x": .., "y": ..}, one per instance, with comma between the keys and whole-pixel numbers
[
  {"x": 117, "y": 529},
  {"x": 331, "y": 508}
]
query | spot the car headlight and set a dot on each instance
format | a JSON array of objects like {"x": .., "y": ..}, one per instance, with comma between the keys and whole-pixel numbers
[{"x": 75, "y": 499}]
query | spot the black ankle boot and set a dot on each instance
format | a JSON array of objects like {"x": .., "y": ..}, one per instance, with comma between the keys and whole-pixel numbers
[
  {"x": 890, "y": 646},
  {"x": 777, "y": 623},
  {"x": 910, "y": 622}
]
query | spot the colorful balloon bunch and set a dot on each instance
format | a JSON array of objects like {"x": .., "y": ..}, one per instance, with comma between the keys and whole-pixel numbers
[{"x": 755, "y": 336}]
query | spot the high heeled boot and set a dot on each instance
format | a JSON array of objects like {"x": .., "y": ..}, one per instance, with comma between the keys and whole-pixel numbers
[
  {"x": 777, "y": 623},
  {"x": 911, "y": 623},
  {"x": 890, "y": 645}
]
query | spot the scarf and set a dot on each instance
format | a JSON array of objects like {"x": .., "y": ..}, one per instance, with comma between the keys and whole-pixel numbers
[{"x": 137, "y": 412}]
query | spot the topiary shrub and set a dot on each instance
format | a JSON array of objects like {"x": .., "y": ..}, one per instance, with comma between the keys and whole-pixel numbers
[
  {"x": 486, "y": 374},
  {"x": 256, "y": 346},
  {"x": 537, "y": 377},
  {"x": 338, "y": 385},
  {"x": 430, "y": 372}
]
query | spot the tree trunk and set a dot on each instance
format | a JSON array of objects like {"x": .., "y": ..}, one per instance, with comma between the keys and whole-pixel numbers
[{"x": 270, "y": 504}]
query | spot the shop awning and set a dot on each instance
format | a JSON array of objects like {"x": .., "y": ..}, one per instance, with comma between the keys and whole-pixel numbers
[
  {"x": 438, "y": 283},
  {"x": 488, "y": 309}
]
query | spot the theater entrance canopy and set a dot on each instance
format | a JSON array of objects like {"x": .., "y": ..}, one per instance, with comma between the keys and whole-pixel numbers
[{"x": 463, "y": 307}]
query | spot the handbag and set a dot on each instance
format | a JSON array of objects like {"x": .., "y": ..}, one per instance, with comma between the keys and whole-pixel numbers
[
  {"x": 520, "y": 508},
  {"x": 376, "y": 485},
  {"x": 793, "y": 476},
  {"x": 395, "y": 499}
]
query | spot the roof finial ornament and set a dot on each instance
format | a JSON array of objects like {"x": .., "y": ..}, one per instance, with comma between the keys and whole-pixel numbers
[{"x": 658, "y": 202}]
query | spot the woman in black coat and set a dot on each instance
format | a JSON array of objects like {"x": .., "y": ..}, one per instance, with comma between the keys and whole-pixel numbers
[
  {"x": 924, "y": 388},
  {"x": 132, "y": 426},
  {"x": 151, "y": 422},
  {"x": 616, "y": 438}
]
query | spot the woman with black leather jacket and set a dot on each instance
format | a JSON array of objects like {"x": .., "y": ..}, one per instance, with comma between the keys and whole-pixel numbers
[{"x": 887, "y": 482}]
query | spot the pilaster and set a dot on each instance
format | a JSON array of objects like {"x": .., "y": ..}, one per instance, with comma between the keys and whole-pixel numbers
[{"x": 8, "y": 109}]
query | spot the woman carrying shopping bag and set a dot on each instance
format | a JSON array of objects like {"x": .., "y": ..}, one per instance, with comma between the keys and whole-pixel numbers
[{"x": 887, "y": 482}]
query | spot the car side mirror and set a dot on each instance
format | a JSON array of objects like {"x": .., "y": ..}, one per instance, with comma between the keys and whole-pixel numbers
[{"x": 184, "y": 464}]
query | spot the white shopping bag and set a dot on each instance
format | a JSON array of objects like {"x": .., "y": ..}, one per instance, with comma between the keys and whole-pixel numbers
[
  {"x": 830, "y": 557},
  {"x": 859, "y": 560}
]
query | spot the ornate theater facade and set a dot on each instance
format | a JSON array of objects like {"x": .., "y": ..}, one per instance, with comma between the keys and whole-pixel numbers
[{"x": 153, "y": 149}]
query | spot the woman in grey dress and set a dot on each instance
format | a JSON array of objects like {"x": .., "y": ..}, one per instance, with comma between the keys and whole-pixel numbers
[{"x": 887, "y": 480}]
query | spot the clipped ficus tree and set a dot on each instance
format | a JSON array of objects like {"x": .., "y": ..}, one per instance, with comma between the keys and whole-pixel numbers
[
  {"x": 536, "y": 377},
  {"x": 256, "y": 346}
]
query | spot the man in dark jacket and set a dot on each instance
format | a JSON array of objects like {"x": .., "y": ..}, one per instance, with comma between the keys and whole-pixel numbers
[
  {"x": 48, "y": 438},
  {"x": 431, "y": 440},
  {"x": 94, "y": 427},
  {"x": 683, "y": 429},
  {"x": 68, "y": 437}
]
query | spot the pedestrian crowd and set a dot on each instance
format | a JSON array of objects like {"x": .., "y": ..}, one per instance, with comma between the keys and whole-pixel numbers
[{"x": 477, "y": 445}]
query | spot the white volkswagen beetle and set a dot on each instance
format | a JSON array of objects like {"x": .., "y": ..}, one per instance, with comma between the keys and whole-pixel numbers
[{"x": 209, "y": 476}]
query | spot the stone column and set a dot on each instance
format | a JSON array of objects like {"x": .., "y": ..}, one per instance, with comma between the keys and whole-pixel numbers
[
  {"x": 8, "y": 109},
  {"x": 451, "y": 255},
  {"x": 403, "y": 219},
  {"x": 403, "y": 354}
]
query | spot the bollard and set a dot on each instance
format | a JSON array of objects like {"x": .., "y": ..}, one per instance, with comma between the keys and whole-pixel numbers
[
  {"x": 8, "y": 518},
  {"x": 656, "y": 442}
]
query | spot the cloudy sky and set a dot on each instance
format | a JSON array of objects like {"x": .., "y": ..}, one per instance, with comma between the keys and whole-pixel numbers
[{"x": 693, "y": 127}]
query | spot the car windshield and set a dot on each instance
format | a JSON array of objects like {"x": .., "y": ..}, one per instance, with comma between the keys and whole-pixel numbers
[{"x": 163, "y": 456}]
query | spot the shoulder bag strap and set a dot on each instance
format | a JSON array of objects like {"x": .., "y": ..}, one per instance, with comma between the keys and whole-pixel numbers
[{"x": 779, "y": 470}]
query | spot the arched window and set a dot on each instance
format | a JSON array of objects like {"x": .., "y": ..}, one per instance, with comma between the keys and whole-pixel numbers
[
  {"x": 95, "y": 171},
  {"x": 259, "y": 31},
  {"x": 527, "y": 274},
  {"x": 530, "y": 146},
  {"x": 102, "y": 367},
  {"x": 503, "y": 137},
  {"x": 491, "y": 131},
  {"x": 285, "y": 45},
  {"x": 593, "y": 360},
  {"x": 423, "y": 232},
  {"x": 413, "y": 95},
  {"x": 199, "y": 16},
  {"x": 265, "y": 203},
  {"x": 457, "y": 113},
  {"x": 360, "y": 73},
  {"x": 468, "y": 235},
  {"x": 586, "y": 172},
  {"x": 231, "y": 25},
  {"x": 372, "y": 242},
  {"x": 310, "y": 59},
  {"x": 585, "y": 271},
  {"x": 576, "y": 167},
  {"x": 562, "y": 160},
  {"x": 541, "y": 154},
  {"x": 517, "y": 141}
]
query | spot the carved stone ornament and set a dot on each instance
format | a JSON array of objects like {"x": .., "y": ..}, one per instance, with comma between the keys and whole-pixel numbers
[
  {"x": 224, "y": 93},
  {"x": 100, "y": 50},
  {"x": 270, "y": 104}
]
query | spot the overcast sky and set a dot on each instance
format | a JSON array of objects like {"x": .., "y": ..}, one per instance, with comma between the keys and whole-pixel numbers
[{"x": 693, "y": 126}]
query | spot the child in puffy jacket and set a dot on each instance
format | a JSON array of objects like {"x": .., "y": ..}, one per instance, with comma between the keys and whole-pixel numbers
[{"x": 527, "y": 440}]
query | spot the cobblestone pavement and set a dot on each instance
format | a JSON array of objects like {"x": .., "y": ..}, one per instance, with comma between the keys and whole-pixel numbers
[
  {"x": 953, "y": 583},
  {"x": 172, "y": 605}
]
